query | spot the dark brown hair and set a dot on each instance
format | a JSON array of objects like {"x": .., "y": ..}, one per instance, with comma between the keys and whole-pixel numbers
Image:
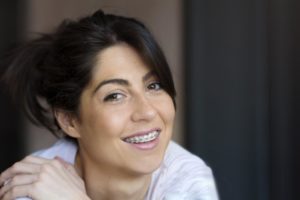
[{"x": 51, "y": 71}]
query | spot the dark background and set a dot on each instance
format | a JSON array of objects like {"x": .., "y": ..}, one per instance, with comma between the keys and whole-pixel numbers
[
  {"x": 242, "y": 85},
  {"x": 11, "y": 142}
]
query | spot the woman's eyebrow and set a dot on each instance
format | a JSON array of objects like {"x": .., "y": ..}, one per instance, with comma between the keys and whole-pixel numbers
[
  {"x": 111, "y": 81},
  {"x": 122, "y": 81}
]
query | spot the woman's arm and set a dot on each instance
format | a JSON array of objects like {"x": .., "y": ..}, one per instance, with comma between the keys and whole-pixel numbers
[{"x": 43, "y": 179}]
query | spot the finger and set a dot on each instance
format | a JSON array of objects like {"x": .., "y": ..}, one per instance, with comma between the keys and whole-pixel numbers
[
  {"x": 18, "y": 168},
  {"x": 18, "y": 191},
  {"x": 62, "y": 161},
  {"x": 30, "y": 164},
  {"x": 35, "y": 160},
  {"x": 68, "y": 166},
  {"x": 73, "y": 175},
  {"x": 70, "y": 169},
  {"x": 18, "y": 180}
]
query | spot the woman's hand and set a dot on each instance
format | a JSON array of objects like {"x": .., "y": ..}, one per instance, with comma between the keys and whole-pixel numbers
[{"x": 42, "y": 179}]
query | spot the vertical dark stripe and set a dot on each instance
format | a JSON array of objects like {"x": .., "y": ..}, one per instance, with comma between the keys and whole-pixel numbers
[
  {"x": 262, "y": 101},
  {"x": 242, "y": 83},
  {"x": 222, "y": 92},
  {"x": 11, "y": 144}
]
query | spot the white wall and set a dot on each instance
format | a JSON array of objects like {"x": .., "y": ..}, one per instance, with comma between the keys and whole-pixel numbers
[{"x": 163, "y": 18}]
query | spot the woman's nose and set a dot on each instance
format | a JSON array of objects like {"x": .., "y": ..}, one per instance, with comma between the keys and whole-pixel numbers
[{"x": 143, "y": 109}]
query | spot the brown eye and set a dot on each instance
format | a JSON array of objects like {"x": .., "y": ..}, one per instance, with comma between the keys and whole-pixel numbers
[
  {"x": 154, "y": 86},
  {"x": 114, "y": 97}
]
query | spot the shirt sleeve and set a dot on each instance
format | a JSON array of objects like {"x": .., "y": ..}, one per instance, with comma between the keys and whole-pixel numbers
[
  {"x": 193, "y": 183},
  {"x": 188, "y": 177}
]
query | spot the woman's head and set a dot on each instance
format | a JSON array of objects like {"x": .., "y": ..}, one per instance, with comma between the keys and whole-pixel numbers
[
  {"x": 51, "y": 72},
  {"x": 125, "y": 116}
]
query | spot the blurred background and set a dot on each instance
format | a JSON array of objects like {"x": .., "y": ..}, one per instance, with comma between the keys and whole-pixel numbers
[{"x": 236, "y": 69}]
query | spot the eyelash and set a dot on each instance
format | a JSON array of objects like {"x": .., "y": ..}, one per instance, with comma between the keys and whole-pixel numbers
[
  {"x": 117, "y": 96},
  {"x": 155, "y": 84},
  {"x": 113, "y": 97}
]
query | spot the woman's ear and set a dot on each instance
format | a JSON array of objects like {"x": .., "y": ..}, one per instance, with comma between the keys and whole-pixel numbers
[{"x": 67, "y": 122}]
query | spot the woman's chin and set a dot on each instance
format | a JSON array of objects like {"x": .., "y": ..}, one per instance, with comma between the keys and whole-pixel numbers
[{"x": 147, "y": 167}]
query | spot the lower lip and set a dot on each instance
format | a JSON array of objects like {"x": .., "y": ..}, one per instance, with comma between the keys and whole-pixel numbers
[{"x": 147, "y": 145}]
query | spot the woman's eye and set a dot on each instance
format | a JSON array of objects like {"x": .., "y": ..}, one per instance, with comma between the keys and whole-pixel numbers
[
  {"x": 154, "y": 86},
  {"x": 114, "y": 97}
]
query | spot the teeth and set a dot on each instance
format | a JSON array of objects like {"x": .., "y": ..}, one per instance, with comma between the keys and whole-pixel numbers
[{"x": 142, "y": 139}]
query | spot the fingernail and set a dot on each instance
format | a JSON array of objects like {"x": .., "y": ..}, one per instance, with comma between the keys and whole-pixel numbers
[{"x": 61, "y": 161}]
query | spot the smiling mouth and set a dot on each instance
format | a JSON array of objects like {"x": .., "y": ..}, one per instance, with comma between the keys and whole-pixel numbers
[{"x": 143, "y": 138}]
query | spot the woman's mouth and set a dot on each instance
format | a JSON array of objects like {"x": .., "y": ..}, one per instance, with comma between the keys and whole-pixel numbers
[{"x": 138, "y": 139}]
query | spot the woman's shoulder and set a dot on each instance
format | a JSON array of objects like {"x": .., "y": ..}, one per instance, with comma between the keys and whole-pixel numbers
[
  {"x": 64, "y": 148},
  {"x": 180, "y": 161},
  {"x": 185, "y": 174},
  {"x": 177, "y": 153}
]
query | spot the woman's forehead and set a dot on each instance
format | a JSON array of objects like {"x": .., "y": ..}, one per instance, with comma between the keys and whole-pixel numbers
[{"x": 119, "y": 59}]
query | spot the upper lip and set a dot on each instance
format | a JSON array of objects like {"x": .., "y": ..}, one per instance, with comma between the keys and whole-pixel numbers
[{"x": 140, "y": 133}]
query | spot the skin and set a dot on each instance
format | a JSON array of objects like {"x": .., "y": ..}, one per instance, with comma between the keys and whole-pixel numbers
[
  {"x": 110, "y": 167},
  {"x": 40, "y": 178}
]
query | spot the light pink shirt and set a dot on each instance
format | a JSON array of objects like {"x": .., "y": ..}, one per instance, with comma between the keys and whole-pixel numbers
[{"x": 182, "y": 175}]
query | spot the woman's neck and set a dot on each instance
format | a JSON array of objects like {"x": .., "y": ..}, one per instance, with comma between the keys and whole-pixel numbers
[{"x": 109, "y": 184}]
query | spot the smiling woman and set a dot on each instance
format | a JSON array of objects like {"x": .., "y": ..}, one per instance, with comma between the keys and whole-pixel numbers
[{"x": 103, "y": 86}]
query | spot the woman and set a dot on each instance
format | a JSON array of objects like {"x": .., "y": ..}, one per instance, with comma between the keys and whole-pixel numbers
[{"x": 101, "y": 84}]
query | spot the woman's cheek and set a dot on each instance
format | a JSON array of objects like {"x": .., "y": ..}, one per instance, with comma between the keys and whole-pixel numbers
[
  {"x": 113, "y": 122},
  {"x": 166, "y": 107}
]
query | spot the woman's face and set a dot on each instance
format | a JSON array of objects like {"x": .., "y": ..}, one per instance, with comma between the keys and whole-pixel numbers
[{"x": 126, "y": 118}]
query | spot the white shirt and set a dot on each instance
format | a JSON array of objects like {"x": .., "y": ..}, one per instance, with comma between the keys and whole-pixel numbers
[{"x": 181, "y": 176}]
